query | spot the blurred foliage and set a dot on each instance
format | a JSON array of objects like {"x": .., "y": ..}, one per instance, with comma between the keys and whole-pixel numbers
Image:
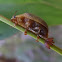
[{"x": 48, "y": 10}]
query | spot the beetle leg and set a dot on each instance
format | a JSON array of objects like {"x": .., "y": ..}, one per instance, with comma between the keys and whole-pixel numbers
[
  {"x": 26, "y": 28},
  {"x": 49, "y": 42},
  {"x": 47, "y": 45},
  {"x": 37, "y": 38},
  {"x": 25, "y": 33},
  {"x": 15, "y": 23}
]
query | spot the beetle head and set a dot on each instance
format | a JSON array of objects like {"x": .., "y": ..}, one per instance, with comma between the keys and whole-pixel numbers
[{"x": 13, "y": 17}]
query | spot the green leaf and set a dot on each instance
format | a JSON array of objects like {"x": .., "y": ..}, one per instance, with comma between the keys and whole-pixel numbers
[
  {"x": 48, "y": 13},
  {"x": 42, "y": 8},
  {"x": 55, "y": 3}
]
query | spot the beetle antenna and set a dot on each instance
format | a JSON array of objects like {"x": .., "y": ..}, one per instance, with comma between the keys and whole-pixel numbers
[{"x": 14, "y": 14}]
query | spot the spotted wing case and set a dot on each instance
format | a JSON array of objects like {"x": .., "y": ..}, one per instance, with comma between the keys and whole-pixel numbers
[{"x": 35, "y": 18}]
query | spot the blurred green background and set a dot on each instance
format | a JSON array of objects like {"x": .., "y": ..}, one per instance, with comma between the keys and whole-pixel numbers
[{"x": 14, "y": 44}]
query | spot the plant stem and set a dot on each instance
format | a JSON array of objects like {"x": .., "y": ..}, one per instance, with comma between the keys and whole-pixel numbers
[{"x": 7, "y": 21}]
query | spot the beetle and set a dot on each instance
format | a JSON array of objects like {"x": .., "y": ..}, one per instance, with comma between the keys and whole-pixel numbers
[{"x": 34, "y": 24}]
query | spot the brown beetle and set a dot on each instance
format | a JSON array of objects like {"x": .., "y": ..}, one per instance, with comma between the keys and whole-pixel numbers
[{"x": 34, "y": 24}]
